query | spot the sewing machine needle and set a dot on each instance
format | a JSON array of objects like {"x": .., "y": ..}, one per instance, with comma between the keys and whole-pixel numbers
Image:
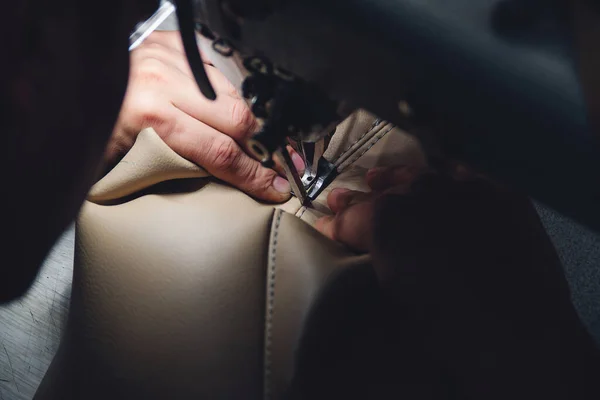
[{"x": 293, "y": 176}]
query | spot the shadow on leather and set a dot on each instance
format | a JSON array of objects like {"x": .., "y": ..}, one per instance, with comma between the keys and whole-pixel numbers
[
  {"x": 171, "y": 187},
  {"x": 351, "y": 349}
]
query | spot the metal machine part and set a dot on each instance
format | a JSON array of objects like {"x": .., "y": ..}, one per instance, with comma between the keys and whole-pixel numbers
[
  {"x": 319, "y": 171},
  {"x": 505, "y": 100},
  {"x": 298, "y": 188},
  {"x": 283, "y": 103},
  {"x": 324, "y": 175},
  {"x": 144, "y": 29},
  {"x": 287, "y": 106},
  {"x": 311, "y": 153}
]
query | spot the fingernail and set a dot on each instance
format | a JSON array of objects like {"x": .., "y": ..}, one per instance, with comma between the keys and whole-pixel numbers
[
  {"x": 281, "y": 185},
  {"x": 298, "y": 162}
]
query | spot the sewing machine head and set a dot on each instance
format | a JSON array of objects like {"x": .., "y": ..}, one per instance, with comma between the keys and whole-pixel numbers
[{"x": 495, "y": 80}]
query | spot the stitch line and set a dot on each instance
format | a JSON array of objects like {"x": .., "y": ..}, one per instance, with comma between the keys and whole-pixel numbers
[
  {"x": 270, "y": 308},
  {"x": 371, "y": 128},
  {"x": 376, "y": 139}
]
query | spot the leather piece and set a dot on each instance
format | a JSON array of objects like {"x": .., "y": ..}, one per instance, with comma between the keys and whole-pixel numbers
[
  {"x": 362, "y": 145},
  {"x": 149, "y": 161},
  {"x": 348, "y": 132},
  {"x": 155, "y": 291},
  {"x": 301, "y": 262},
  {"x": 171, "y": 294},
  {"x": 149, "y": 297},
  {"x": 394, "y": 148}
]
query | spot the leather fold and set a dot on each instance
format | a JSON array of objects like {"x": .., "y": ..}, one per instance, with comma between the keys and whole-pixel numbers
[
  {"x": 150, "y": 161},
  {"x": 195, "y": 290},
  {"x": 300, "y": 264}
]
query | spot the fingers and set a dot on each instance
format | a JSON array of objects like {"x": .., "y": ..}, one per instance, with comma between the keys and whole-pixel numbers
[
  {"x": 171, "y": 40},
  {"x": 156, "y": 76},
  {"x": 221, "y": 156},
  {"x": 162, "y": 94},
  {"x": 177, "y": 61},
  {"x": 228, "y": 114},
  {"x": 340, "y": 199},
  {"x": 296, "y": 159},
  {"x": 352, "y": 226}
]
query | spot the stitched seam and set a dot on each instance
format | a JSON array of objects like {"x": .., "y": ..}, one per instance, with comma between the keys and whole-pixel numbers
[
  {"x": 303, "y": 211},
  {"x": 270, "y": 307},
  {"x": 371, "y": 128},
  {"x": 376, "y": 139}
]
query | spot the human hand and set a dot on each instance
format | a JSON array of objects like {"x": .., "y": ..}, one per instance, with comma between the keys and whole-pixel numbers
[
  {"x": 468, "y": 264},
  {"x": 352, "y": 222},
  {"x": 162, "y": 94}
]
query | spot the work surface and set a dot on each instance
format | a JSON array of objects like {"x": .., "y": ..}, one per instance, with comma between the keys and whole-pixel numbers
[{"x": 30, "y": 328}]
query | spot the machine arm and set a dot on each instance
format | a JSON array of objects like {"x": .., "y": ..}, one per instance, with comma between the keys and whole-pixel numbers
[{"x": 498, "y": 84}]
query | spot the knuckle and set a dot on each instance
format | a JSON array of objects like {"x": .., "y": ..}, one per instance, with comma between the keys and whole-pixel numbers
[
  {"x": 261, "y": 180},
  {"x": 157, "y": 35},
  {"x": 164, "y": 38},
  {"x": 232, "y": 91},
  {"x": 229, "y": 88},
  {"x": 153, "y": 50},
  {"x": 225, "y": 153},
  {"x": 142, "y": 111},
  {"x": 242, "y": 119},
  {"x": 150, "y": 70},
  {"x": 149, "y": 44}
]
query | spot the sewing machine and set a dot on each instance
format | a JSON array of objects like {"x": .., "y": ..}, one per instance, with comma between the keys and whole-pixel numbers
[
  {"x": 230, "y": 304},
  {"x": 496, "y": 82}
]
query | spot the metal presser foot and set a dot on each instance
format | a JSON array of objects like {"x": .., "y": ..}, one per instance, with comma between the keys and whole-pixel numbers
[
  {"x": 298, "y": 188},
  {"x": 293, "y": 111},
  {"x": 318, "y": 172}
]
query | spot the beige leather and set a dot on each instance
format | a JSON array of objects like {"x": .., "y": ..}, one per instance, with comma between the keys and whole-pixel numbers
[
  {"x": 149, "y": 162},
  {"x": 300, "y": 262},
  {"x": 186, "y": 288}
]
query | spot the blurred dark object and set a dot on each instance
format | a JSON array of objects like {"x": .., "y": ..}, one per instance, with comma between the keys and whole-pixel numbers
[
  {"x": 510, "y": 87},
  {"x": 586, "y": 24}
]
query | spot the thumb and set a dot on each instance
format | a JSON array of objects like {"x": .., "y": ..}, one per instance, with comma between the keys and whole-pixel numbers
[
  {"x": 220, "y": 155},
  {"x": 231, "y": 164},
  {"x": 351, "y": 226}
]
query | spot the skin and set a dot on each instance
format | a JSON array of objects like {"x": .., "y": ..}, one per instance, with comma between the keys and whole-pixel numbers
[
  {"x": 60, "y": 98},
  {"x": 162, "y": 94},
  {"x": 467, "y": 264}
]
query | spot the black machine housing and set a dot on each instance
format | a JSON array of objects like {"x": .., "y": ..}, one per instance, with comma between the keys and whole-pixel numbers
[{"x": 496, "y": 81}]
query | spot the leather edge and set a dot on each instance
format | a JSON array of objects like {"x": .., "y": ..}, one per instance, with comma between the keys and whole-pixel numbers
[
  {"x": 270, "y": 303},
  {"x": 148, "y": 162}
]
